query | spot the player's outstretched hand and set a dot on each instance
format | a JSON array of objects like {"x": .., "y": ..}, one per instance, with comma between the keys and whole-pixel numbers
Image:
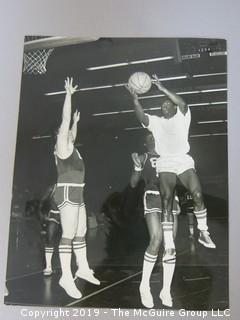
[
  {"x": 76, "y": 116},
  {"x": 131, "y": 91},
  {"x": 70, "y": 89}
]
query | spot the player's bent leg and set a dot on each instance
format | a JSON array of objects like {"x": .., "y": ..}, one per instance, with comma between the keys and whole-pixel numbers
[
  {"x": 168, "y": 234},
  {"x": 175, "y": 226},
  {"x": 69, "y": 219},
  {"x": 176, "y": 211},
  {"x": 80, "y": 249},
  {"x": 167, "y": 183},
  {"x": 191, "y": 181}
]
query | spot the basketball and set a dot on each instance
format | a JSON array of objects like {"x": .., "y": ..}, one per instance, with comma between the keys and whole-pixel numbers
[{"x": 140, "y": 82}]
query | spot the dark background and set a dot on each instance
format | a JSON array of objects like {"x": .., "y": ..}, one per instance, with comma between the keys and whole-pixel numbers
[{"x": 102, "y": 140}]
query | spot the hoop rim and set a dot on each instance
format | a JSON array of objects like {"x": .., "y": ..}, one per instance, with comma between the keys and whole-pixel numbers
[{"x": 53, "y": 42}]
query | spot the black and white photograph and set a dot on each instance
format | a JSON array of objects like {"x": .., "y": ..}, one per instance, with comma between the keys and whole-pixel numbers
[{"x": 120, "y": 184}]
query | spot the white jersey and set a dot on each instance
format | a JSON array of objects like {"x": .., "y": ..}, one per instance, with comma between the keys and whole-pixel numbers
[{"x": 171, "y": 135}]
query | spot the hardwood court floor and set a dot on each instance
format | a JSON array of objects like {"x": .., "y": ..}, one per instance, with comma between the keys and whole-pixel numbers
[{"x": 200, "y": 281}]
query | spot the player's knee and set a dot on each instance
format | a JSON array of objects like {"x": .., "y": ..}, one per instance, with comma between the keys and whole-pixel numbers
[
  {"x": 69, "y": 233},
  {"x": 197, "y": 197},
  {"x": 166, "y": 195},
  {"x": 81, "y": 232},
  {"x": 167, "y": 200},
  {"x": 50, "y": 240},
  {"x": 155, "y": 240},
  {"x": 167, "y": 216}
]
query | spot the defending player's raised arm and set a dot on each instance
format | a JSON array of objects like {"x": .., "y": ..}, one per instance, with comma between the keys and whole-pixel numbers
[
  {"x": 67, "y": 108},
  {"x": 137, "y": 169},
  {"x": 141, "y": 116},
  {"x": 176, "y": 99},
  {"x": 76, "y": 118},
  {"x": 63, "y": 132}
]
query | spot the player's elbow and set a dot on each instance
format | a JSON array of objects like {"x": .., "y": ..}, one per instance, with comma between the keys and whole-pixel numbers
[
  {"x": 133, "y": 182},
  {"x": 142, "y": 118},
  {"x": 183, "y": 107}
]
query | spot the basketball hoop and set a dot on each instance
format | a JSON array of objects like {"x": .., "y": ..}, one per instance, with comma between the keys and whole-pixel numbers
[
  {"x": 34, "y": 62},
  {"x": 37, "y": 50}
]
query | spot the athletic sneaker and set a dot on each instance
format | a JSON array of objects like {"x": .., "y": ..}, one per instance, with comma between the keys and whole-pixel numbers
[
  {"x": 205, "y": 240},
  {"x": 87, "y": 275},
  {"x": 69, "y": 286},
  {"x": 47, "y": 272},
  {"x": 146, "y": 297},
  {"x": 166, "y": 298}
]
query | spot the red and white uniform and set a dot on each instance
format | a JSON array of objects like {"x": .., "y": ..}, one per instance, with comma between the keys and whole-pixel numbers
[{"x": 70, "y": 183}]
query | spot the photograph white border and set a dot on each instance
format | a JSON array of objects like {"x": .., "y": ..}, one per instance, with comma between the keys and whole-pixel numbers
[{"x": 115, "y": 18}]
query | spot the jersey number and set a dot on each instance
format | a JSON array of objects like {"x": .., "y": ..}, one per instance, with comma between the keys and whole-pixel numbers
[{"x": 153, "y": 162}]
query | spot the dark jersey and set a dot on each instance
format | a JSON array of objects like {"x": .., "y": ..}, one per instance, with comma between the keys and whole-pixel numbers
[
  {"x": 149, "y": 170},
  {"x": 71, "y": 170}
]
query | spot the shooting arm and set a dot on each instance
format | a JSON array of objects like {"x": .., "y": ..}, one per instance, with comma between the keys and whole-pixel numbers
[
  {"x": 141, "y": 116},
  {"x": 176, "y": 99}
]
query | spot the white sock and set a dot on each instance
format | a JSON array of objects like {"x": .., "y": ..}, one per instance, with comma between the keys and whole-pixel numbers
[
  {"x": 148, "y": 264},
  {"x": 201, "y": 217},
  {"x": 65, "y": 254},
  {"x": 48, "y": 257},
  {"x": 168, "y": 272},
  {"x": 67, "y": 281},
  {"x": 168, "y": 235},
  {"x": 80, "y": 250}
]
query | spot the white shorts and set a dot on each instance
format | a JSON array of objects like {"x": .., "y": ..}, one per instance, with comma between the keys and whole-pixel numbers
[{"x": 175, "y": 164}]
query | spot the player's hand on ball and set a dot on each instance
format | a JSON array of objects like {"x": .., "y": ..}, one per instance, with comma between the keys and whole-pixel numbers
[
  {"x": 69, "y": 86},
  {"x": 131, "y": 91}
]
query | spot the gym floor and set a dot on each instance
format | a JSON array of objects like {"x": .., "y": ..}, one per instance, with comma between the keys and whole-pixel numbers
[{"x": 200, "y": 281}]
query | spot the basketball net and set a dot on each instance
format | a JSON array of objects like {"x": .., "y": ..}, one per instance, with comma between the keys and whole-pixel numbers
[{"x": 34, "y": 62}]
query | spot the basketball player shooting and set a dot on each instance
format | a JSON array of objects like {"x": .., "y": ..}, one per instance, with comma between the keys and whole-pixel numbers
[
  {"x": 69, "y": 199},
  {"x": 170, "y": 130},
  {"x": 145, "y": 168}
]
